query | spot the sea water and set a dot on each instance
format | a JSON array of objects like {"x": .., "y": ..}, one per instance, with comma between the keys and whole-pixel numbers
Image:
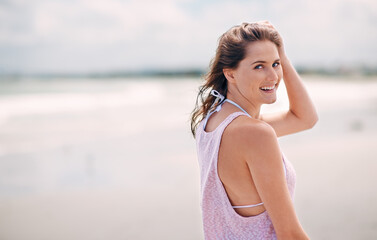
[{"x": 114, "y": 158}]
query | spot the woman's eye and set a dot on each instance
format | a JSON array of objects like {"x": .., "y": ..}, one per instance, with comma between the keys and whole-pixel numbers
[
  {"x": 275, "y": 64},
  {"x": 258, "y": 67}
]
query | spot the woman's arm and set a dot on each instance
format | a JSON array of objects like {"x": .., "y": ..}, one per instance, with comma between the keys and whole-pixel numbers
[
  {"x": 301, "y": 114},
  {"x": 262, "y": 154}
]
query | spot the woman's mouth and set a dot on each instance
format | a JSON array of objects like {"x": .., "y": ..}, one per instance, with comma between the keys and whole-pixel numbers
[{"x": 268, "y": 89}]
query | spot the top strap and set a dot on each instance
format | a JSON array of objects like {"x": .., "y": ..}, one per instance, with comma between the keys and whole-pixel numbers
[
  {"x": 220, "y": 98},
  {"x": 235, "y": 104}
]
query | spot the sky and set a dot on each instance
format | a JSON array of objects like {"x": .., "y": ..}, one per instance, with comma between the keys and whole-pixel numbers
[{"x": 78, "y": 36}]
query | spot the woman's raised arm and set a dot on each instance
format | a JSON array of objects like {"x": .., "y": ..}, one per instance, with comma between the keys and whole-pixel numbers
[{"x": 301, "y": 114}]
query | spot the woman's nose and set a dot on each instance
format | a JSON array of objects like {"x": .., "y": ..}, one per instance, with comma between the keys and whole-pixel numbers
[{"x": 272, "y": 75}]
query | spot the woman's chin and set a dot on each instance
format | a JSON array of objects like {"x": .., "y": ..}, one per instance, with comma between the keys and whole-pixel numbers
[{"x": 270, "y": 101}]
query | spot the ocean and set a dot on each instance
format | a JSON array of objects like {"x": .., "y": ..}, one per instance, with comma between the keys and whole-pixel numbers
[{"x": 115, "y": 159}]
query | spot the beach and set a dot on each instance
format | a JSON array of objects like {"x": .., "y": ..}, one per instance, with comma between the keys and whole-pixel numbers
[{"x": 115, "y": 159}]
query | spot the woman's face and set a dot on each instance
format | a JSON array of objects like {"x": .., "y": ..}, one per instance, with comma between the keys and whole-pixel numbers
[{"x": 258, "y": 75}]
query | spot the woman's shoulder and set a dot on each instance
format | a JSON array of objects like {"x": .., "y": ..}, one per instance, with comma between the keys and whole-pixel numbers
[{"x": 245, "y": 130}]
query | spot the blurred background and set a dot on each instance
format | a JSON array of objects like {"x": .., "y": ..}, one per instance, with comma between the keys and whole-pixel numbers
[{"x": 95, "y": 100}]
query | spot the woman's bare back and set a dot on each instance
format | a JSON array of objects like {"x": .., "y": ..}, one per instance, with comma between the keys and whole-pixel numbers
[{"x": 232, "y": 168}]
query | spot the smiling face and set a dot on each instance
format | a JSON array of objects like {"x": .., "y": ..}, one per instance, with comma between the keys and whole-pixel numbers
[{"x": 258, "y": 75}]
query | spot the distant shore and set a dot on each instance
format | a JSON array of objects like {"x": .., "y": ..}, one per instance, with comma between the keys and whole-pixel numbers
[{"x": 343, "y": 71}]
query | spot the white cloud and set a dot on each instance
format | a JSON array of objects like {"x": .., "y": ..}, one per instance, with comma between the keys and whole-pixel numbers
[
  {"x": 89, "y": 22},
  {"x": 43, "y": 35}
]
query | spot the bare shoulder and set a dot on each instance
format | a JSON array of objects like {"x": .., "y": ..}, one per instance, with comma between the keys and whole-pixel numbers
[
  {"x": 253, "y": 140},
  {"x": 251, "y": 132}
]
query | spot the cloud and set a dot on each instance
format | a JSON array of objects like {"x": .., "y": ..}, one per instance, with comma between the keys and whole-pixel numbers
[{"x": 99, "y": 35}]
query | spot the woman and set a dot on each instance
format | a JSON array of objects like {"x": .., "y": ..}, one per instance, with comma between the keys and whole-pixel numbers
[{"x": 247, "y": 185}]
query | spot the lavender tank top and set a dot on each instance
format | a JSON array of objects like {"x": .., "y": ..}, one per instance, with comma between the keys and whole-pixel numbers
[{"x": 220, "y": 221}]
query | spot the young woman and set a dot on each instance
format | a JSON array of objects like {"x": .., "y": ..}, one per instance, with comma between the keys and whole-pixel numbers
[{"x": 247, "y": 185}]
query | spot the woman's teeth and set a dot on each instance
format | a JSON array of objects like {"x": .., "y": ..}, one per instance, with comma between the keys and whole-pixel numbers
[{"x": 268, "y": 88}]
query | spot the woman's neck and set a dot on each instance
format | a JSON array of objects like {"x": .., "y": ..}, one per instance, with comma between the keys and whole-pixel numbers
[{"x": 250, "y": 107}]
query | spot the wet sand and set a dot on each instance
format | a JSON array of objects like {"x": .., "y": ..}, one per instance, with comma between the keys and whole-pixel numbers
[{"x": 114, "y": 159}]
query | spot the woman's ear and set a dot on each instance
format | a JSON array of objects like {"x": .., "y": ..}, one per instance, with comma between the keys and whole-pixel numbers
[{"x": 229, "y": 75}]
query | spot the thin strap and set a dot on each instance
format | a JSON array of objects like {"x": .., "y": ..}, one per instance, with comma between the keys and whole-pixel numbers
[
  {"x": 220, "y": 98},
  {"x": 209, "y": 114},
  {"x": 235, "y": 104},
  {"x": 247, "y": 206}
]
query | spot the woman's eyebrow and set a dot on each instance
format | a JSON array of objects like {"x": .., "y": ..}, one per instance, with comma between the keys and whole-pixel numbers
[{"x": 260, "y": 61}]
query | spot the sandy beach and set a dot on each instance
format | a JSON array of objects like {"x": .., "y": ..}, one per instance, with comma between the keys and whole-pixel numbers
[{"x": 114, "y": 159}]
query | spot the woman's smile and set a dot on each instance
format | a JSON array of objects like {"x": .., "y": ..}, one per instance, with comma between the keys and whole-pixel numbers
[{"x": 269, "y": 88}]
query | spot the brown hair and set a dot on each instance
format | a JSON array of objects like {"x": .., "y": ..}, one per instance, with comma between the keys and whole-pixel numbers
[{"x": 230, "y": 51}]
